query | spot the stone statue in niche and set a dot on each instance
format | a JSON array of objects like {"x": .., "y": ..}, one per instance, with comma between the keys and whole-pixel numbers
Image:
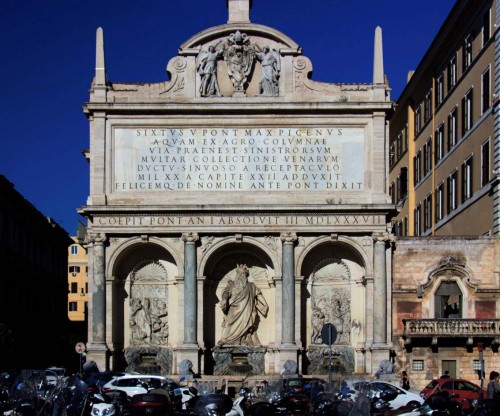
[
  {"x": 271, "y": 67},
  {"x": 206, "y": 66},
  {"x": 148, "y": 321},
  {"x": 242, "y": 302}
]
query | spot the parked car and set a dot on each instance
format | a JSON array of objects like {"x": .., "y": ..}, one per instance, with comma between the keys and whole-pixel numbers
[
  {"x": 133, "y": 384},
  {"x": 402, "y": 397},
  {"x": 462, "y": 391},
  {"x": 100, "y": 379}
]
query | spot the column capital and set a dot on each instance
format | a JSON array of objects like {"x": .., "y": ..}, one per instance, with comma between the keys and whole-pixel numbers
[
  {"x": 190, "y": 237},
  {"x": 288, "y": 237},
  {"x": 381, "y": 237},
  {"x": 95, "y": 238}
]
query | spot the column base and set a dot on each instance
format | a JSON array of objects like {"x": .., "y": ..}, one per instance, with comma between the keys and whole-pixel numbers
[
  {"x": 380, "y": 358},
  {"x": 287, "y": 357},
  {"x": 98, "y": 352},
  {"x": 189, "y": 352}
]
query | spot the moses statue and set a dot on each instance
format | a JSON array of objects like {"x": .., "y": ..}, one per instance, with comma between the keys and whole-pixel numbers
[{"x": 241, "y": 302}]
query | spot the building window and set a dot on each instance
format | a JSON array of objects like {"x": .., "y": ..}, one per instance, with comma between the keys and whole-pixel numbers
[
  {"x": 398, "y": 228},
  {"x": 74, "y": 270},
  {"x": 439, "y": 152},
  {"x": 399, "y": 145},
  {"x": 485, "y": 162},
  {"x": 418, "y": 365},
  {"x": 440, "y": 202},
  {"x": 467, "y": 112},
  {"x": 417, "y": 120},
  {"x": 439, "y": 89},
  {"x": 74, "y": 249},
  {"x": 452, "y": 191},
  {"x": 73, "y": 306},
  {"x": 417, "y": 172},
  {"x": 486, "y": 27},
  {"x": 452, "y": 73},
  {"x": 392, "y": 156},
  {"x": 405, "y": 225},
  {"x": 427, "y": 106},
  {"x": 467, "y": 52},
  {"x": 467, "y": 179},
  {"x": 427, "y": 156},
  {"x": 74, "y": 287},
  {"x": 448, "y": 301},
  {"x": 476, "y": 366},
  {"x": 485, "y": 91},
  {"x": 428, "y": 212},
  {"x": 452, "y": 129},
  {"x": 416, "y": 220}
]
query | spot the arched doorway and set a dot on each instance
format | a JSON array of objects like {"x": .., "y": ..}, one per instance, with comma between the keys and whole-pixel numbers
[
  {"x": 219, "y": 269},
  {"x": 143, "y": 305},
  {"x": 333, "y": 292}
]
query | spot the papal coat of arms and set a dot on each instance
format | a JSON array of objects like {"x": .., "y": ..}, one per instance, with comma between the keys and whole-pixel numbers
[{"x": 239, "y": 56}]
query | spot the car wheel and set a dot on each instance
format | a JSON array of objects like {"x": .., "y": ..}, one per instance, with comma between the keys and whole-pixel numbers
[{"x": 413, "y": 404}]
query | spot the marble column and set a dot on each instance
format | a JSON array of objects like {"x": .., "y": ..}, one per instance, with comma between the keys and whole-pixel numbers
[
  {"x": 96, "y": 344},
  {"x": 288, "y": 288},
  {"x": 190, "y": 290},
  {"x": 380, "y": 289}
]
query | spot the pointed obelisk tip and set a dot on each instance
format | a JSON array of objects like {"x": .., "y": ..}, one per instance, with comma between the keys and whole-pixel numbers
[
  {"x": 100, "y": 67},
  {"x": 378, "y": 58},
  {"x": 239, "y": 11}
]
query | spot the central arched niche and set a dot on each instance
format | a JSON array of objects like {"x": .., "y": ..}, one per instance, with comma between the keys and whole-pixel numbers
[
  {"x": 141, "y": 290},
  {"x": 332, "y": 294},
  {"x": 219, "y": 269}
]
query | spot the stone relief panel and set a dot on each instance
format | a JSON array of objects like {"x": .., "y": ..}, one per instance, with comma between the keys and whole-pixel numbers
[
  {"x": 331, "y": 300},
  {"x": 149, "y": 304}
]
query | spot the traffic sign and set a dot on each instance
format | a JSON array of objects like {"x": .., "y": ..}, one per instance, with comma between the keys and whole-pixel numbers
[
  {"x": 80, "y": 347},
  {"x": 329, "y": 334}
]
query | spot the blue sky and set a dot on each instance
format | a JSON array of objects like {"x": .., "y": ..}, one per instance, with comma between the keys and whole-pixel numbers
[{"x": 48, "y": 55}]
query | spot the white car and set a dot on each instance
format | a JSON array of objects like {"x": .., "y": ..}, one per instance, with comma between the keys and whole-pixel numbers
[
  {"x": 133, "y": 384},
  {"x": 403, "y": 397}
]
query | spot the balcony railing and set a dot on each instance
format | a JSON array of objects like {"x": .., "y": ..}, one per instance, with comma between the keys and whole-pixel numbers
[
  {"x": 451, "y": 327},
  {"x": 486, "y": 331}
]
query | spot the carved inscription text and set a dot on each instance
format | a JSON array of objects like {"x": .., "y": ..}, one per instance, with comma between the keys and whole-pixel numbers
[{"x": 238, "y": 159}]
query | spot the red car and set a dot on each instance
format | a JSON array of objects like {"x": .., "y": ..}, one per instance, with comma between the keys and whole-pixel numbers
[{"x": 463, "y": 390}]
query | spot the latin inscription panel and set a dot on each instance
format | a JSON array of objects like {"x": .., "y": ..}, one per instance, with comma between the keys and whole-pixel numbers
[{"x": 238, "y": 159}]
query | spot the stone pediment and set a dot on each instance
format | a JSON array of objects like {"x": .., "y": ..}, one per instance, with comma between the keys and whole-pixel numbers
[
  {"x": 220, "y": 32},
  {"x": 241, "y": 61}
]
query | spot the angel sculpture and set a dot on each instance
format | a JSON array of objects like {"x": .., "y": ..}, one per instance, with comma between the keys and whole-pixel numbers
[
  {"x": 206, "y": 65},
  {"x": 271, "y": 67}
]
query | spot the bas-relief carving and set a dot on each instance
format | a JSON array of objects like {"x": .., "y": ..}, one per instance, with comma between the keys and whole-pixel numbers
[
  {"x": 331, "y": 300},
  {"x": 148, "y": 305},
  {"x": 239, "y": 55}
]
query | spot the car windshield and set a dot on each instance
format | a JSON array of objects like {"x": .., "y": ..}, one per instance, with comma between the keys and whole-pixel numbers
[{"x": 432, "y": 384}]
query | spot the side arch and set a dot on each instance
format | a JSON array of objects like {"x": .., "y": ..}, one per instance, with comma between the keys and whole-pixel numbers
[
  {"x": 348, "y": 243},
  {"x": 121, "y": 250}
]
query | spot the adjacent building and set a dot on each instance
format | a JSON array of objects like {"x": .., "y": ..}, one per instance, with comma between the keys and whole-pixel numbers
[
  {"x": 33, "y": 284},
  {"x": 444, "y": 158},
  {"x": 444, "y": 153},
  {"x": 77, "y": 281}
]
